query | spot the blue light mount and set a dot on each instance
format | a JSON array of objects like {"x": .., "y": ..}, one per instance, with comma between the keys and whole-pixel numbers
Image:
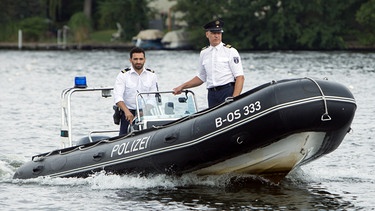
[{"x": 80, "y": 82}]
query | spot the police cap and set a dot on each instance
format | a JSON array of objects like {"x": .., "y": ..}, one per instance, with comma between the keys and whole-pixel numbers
[{"x": 214, "y": 26}]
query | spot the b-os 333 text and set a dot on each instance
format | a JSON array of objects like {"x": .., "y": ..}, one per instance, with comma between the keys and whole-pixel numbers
[{"x": 238, "y": 113}]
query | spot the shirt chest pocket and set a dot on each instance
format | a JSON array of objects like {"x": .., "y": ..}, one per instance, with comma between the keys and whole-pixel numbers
[
  {"x": 139, "y": 84},
  {"x": 146, "y": 84},
  {"x": 131, "y": 84},
  {"x": 222, "y": 60}
]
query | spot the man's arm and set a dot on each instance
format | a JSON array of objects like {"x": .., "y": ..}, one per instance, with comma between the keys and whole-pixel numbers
[
  {"x": 128, "y": 115},
  {"x": 238, "y": 85},
  {"x": 189, "y": 84}
]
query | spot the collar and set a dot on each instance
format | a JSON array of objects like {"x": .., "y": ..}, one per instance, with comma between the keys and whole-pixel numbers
[
  {"x": 218, "y": 47},
  {"x": 133, "y": 71}
]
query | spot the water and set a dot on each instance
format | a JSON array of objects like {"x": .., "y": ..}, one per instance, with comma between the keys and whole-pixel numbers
[{"x": 31, "y": 83}]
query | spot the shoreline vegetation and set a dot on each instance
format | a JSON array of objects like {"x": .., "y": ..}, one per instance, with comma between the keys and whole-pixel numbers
[
  {"x": 129, "y": 45},
  {"x": 70, "y": 46},
  {"x": 296, "y": 25}
]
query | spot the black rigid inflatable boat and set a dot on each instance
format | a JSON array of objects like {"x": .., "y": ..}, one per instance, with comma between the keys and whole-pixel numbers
[{"x": 267, "y": 131}]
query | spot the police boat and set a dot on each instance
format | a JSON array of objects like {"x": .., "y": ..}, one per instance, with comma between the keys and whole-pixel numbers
[{"x": 267, "y": 131}]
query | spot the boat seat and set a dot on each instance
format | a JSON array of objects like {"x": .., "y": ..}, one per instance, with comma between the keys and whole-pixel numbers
[{"x": 169, "y": 108}]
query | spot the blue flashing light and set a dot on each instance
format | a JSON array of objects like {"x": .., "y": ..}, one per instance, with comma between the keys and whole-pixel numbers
[{"x": 80, "y": 82}]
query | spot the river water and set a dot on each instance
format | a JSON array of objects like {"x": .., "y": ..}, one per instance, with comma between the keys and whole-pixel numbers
[{"x": 31, "y": 83}]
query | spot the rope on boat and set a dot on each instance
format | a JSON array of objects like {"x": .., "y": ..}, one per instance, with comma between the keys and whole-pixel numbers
[
  {"x": 325, "y": 116},
  {"x": 81, "y": 148}
]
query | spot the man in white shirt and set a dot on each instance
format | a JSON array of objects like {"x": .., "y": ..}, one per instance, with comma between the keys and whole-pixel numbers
[
  {"x": 220, "y": 67},
  {"x": 131, "y": 81}
]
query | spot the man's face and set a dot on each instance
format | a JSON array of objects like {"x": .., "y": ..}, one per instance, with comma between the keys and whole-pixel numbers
[
  {"x": 214, "y": 37},
  {"x": 137, "y": 60}
]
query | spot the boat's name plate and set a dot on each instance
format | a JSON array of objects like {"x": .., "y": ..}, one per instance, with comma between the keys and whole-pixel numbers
[
  {"x": 238, "y": 113},
  {"x": 130, "y": 146}
]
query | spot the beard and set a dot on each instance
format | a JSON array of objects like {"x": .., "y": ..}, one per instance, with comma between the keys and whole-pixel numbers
[{"x": 138, "y": 66}]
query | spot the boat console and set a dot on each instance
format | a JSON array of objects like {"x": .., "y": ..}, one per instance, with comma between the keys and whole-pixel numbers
[{"x": 159, "y": 108}]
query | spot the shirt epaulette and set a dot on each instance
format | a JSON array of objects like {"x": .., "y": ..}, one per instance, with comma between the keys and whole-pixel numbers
[
  {"x": 125, "y": 70},
  {"x": 227, "y": 45},
  {"x": 150, "y": 70},
  {"x": 204, "y": 48}
]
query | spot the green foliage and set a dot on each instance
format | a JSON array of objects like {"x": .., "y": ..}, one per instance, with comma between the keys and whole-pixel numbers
[
  {"x": 14, "y": 11},
  {"x": 249, "y": 24},
  {"x": 54, "y": 8},
  {"x": 274, "y": 24},
  {"x": 131, "y": 14},
  {"x": 8, "y": 32},
  {"x": 101, "y": 36},
  {"x": 366, "y": 17},
  {"x": 33, "y": 29},
  {"x": 198, "y": 13},
  {"x": 80, "y": 26}
]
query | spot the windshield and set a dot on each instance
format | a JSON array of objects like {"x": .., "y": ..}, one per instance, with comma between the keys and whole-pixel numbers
[{"x": 165, "y": 105}]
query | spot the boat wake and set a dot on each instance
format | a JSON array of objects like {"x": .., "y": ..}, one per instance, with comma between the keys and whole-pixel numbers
[{"x": 108, "y": 181}]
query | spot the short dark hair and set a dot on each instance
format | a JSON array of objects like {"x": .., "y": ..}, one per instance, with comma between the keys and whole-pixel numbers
[{"x": 137, "y": 50}]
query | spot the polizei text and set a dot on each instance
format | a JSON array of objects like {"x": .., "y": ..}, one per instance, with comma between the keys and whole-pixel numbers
[{"x": 130, "y": 146}]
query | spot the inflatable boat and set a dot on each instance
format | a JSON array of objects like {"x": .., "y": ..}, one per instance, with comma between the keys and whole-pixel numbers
[{"x": 267, "y": 131}]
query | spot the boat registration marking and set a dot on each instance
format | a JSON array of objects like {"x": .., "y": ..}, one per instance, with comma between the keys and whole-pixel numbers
[
  {"x": 130, "y": 146},
  {"x": 238, "y": 113}
]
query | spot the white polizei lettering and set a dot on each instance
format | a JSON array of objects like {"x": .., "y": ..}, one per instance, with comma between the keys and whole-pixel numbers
[
  {"x": 125, "y": 148},
  {"x": 143, "y": 143},
  {"x": 132, "y": 145},
  {"x": 136, "y": 145},
  {"x": 121, "y": 149},
  {"x": 114, "y": 149}
]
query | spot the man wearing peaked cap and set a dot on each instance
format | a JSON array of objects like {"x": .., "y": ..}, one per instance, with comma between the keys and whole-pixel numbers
[
  {"x": 220, "y": 67},
  {"x": 214, "y": 26}
]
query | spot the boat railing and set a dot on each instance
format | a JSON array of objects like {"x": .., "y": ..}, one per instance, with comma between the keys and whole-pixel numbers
[
  {"x": 153, "y": 109},
  {"x": 66, "y": 111}
]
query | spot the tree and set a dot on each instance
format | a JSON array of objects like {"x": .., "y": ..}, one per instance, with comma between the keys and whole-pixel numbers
[
  {"x": 366, "y": 17},
  {"x": 131, "y": 14},
  {"x": 197, "y": 13},
  {"x": 87, "y": 6},
  {"x": 274, "y": 24},
  {"x": 12, "y": 12},
  {"x": 80, "y": 26}
]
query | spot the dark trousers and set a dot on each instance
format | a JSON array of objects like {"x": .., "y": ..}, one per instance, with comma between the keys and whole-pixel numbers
[
  {"x": 124, "y": 124},
  {"x": 217, "y": 95}
]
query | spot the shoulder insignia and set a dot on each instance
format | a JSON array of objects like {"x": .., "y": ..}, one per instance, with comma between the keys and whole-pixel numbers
[
  {"x": 227, "y": 45},
  {"x": 150, "y": 70},
  {"x": 204, "y": 48},
  {"x": 125, "y": 70}
]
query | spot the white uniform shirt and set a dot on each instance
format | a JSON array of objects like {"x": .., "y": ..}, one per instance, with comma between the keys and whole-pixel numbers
[
  {"x": 129, "y": 84},
  {"x": 219, "y": 65}
]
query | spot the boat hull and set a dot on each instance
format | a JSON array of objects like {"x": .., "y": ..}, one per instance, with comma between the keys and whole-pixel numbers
[{"x": 267, "y": 131}]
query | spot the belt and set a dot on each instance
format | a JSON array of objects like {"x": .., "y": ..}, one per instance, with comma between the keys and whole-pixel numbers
[
  {"x": 217, "y": 88},
  {"x": 134, "y": 110}
]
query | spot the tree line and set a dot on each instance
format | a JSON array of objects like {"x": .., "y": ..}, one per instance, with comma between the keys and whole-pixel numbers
[{"x": 248, "y": 24}]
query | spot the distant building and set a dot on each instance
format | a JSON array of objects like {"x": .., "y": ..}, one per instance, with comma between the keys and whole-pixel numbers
[{"x": 165, "y": 18}]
